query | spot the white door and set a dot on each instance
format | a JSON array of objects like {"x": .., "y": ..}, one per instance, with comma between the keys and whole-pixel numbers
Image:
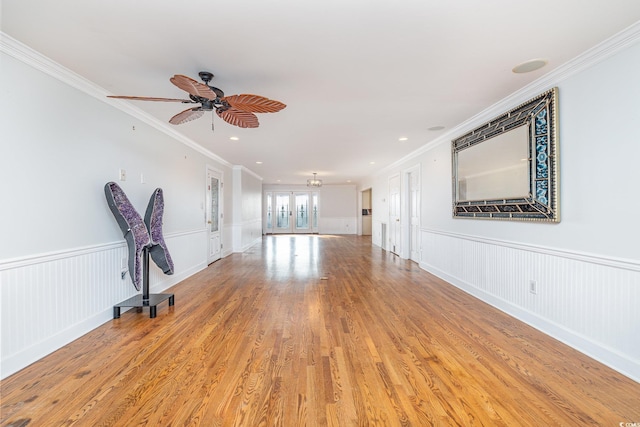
[
  {"x": 394, "y": 214},
  {"x": 414, "y": 216},
  {"x": 292, "y": 212},
  {"x": 214, "y": 215}
]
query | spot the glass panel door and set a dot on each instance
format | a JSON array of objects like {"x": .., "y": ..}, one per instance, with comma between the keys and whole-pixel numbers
[
  {"x": 213, "y": 215},
  {"x": 291, "y": 212},
  {"x": 302, "y": 212},
  {"x": 269, "y": 213},
  {"x": 282, "y": 213},
  {"x": 314, "y": 220}
]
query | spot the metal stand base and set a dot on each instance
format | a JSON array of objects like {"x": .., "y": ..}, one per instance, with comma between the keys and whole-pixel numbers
[
  {"x": 144, "y": 300},
  {"x": 139, "y": 302}
]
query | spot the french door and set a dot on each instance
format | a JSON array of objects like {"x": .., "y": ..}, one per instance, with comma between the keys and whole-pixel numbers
[{"x": 291, "y": 212}]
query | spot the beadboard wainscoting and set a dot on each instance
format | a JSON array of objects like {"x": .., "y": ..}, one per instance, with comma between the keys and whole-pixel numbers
[
  {"x": 588, "y": 302},
  {"x": 337, "y": 225},
  {"x": 51, "y": 299}
]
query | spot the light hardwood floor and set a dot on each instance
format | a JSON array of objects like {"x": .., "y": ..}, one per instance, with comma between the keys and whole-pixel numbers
[{"x": 317, "y": 330}]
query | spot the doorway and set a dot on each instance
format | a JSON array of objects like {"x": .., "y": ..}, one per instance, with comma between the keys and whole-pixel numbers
[
  {"x": 214, "y": 214},
  {"x": 394, "y": 214},
  {"x": 366, "y": 213},
  {"x": 412, "y": 177}
]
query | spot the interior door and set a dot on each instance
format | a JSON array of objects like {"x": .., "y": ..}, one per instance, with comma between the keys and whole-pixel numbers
[
  {"x": 214, "y": 215},
  {"x": 394, "y": 214}
]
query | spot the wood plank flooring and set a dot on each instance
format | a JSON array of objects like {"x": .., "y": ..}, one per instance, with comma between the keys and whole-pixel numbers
[{"x": 317, "y": 331}]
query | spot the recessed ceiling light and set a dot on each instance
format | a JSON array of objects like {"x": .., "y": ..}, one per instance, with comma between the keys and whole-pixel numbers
[
  {"x": 258, "y": 163},
  {"x": 234, "y": 138},
  {"x": 436, "y": 128},
  {"x": 529, "y": 66},
  {"x": 372, "y": 163},
  {"x": 348, "y": 180},
  {"x": 403, "y": 138}
]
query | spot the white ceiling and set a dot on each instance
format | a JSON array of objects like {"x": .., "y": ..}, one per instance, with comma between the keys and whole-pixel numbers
[{"x": 356, "y": 75}]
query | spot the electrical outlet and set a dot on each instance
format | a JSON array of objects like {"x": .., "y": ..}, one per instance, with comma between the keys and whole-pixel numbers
[{"x": 533, "y": 287}]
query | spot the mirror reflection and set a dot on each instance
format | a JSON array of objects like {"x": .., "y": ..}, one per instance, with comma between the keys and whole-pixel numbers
[{"x": 497, "y": 168}]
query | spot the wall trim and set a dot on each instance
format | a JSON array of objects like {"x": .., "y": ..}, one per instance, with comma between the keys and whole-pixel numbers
[
  {"x": 597, "y": 351},
  {"x": 27, "y": 55},
  {"x": 247, "y": 170},
  {"x": 11, "y": 263},
  {"x": 625, "y": 264}
]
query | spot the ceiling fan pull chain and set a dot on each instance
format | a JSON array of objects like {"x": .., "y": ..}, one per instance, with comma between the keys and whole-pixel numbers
[{"x": 212, "y": 129}]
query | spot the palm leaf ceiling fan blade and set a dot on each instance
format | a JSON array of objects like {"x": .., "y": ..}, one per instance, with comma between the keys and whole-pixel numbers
[
  {"x": 237, "y": 110},
  {"x": 186, "y": 116},
  {"x": 193, "y": 87},
  {"x": 240, "y": 118},
  {"x": 148, "y": 98},
  {"x": 254, "y": 103}
]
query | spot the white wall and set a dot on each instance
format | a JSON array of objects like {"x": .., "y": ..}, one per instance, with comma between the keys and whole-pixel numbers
[
  {"x": 247, "y": 212},
  {"x": 587, "y": 267},
  {"x": 61, "y": 249}
]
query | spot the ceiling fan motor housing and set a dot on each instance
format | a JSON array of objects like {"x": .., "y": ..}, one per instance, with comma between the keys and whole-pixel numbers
[{"x": 206, "y": 78}]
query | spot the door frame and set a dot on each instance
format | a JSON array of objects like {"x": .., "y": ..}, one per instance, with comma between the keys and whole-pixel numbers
[
  {"x": 394, "y": 230},
  {"x": 408, "y": 251},
  {"x": 210, "y": 171}
]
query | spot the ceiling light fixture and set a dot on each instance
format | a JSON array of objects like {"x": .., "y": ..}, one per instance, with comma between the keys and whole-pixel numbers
[
  {"x": 315, "y": 182},
  {"x": 529, "y": 66},
  {"x": 234, "y": 138},
  {"x": 404, "y": 138}
]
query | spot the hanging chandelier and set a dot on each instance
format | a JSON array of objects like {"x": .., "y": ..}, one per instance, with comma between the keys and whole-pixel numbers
[{"x": 315, "y": 182}]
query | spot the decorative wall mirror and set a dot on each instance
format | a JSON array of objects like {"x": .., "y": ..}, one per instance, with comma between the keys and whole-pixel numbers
[{"x": 507, "y": 168}]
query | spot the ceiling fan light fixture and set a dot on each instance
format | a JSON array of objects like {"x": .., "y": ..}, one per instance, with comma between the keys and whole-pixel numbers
[{"x": 314, "y": 182}]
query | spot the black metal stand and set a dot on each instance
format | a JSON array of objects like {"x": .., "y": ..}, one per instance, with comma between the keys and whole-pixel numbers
[{"x": 144, "y": 300}]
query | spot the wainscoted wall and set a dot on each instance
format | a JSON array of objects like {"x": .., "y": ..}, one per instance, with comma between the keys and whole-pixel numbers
[
  {"x": 61, "y": 253},
  {"x": 586, "y": 301},
  {"x": 337, "y": 225},
  {"x": 586, "y": 267},
  {"x": 245, "y": 235},
  {"x": 49, "y": 300}
]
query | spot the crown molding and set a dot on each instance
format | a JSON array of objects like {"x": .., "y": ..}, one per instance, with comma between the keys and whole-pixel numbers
[
  {"x": 28, "y": 56},
  {"x": 607, "y": 48},
  {"x": 243, "y": 168}
]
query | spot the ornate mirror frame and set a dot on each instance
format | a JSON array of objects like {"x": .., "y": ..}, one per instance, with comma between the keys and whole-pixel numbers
[{"x": 539, "y": 201}]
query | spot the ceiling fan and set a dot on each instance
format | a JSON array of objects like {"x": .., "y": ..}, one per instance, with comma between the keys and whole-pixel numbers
[{"x": 237, "y": 110}]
